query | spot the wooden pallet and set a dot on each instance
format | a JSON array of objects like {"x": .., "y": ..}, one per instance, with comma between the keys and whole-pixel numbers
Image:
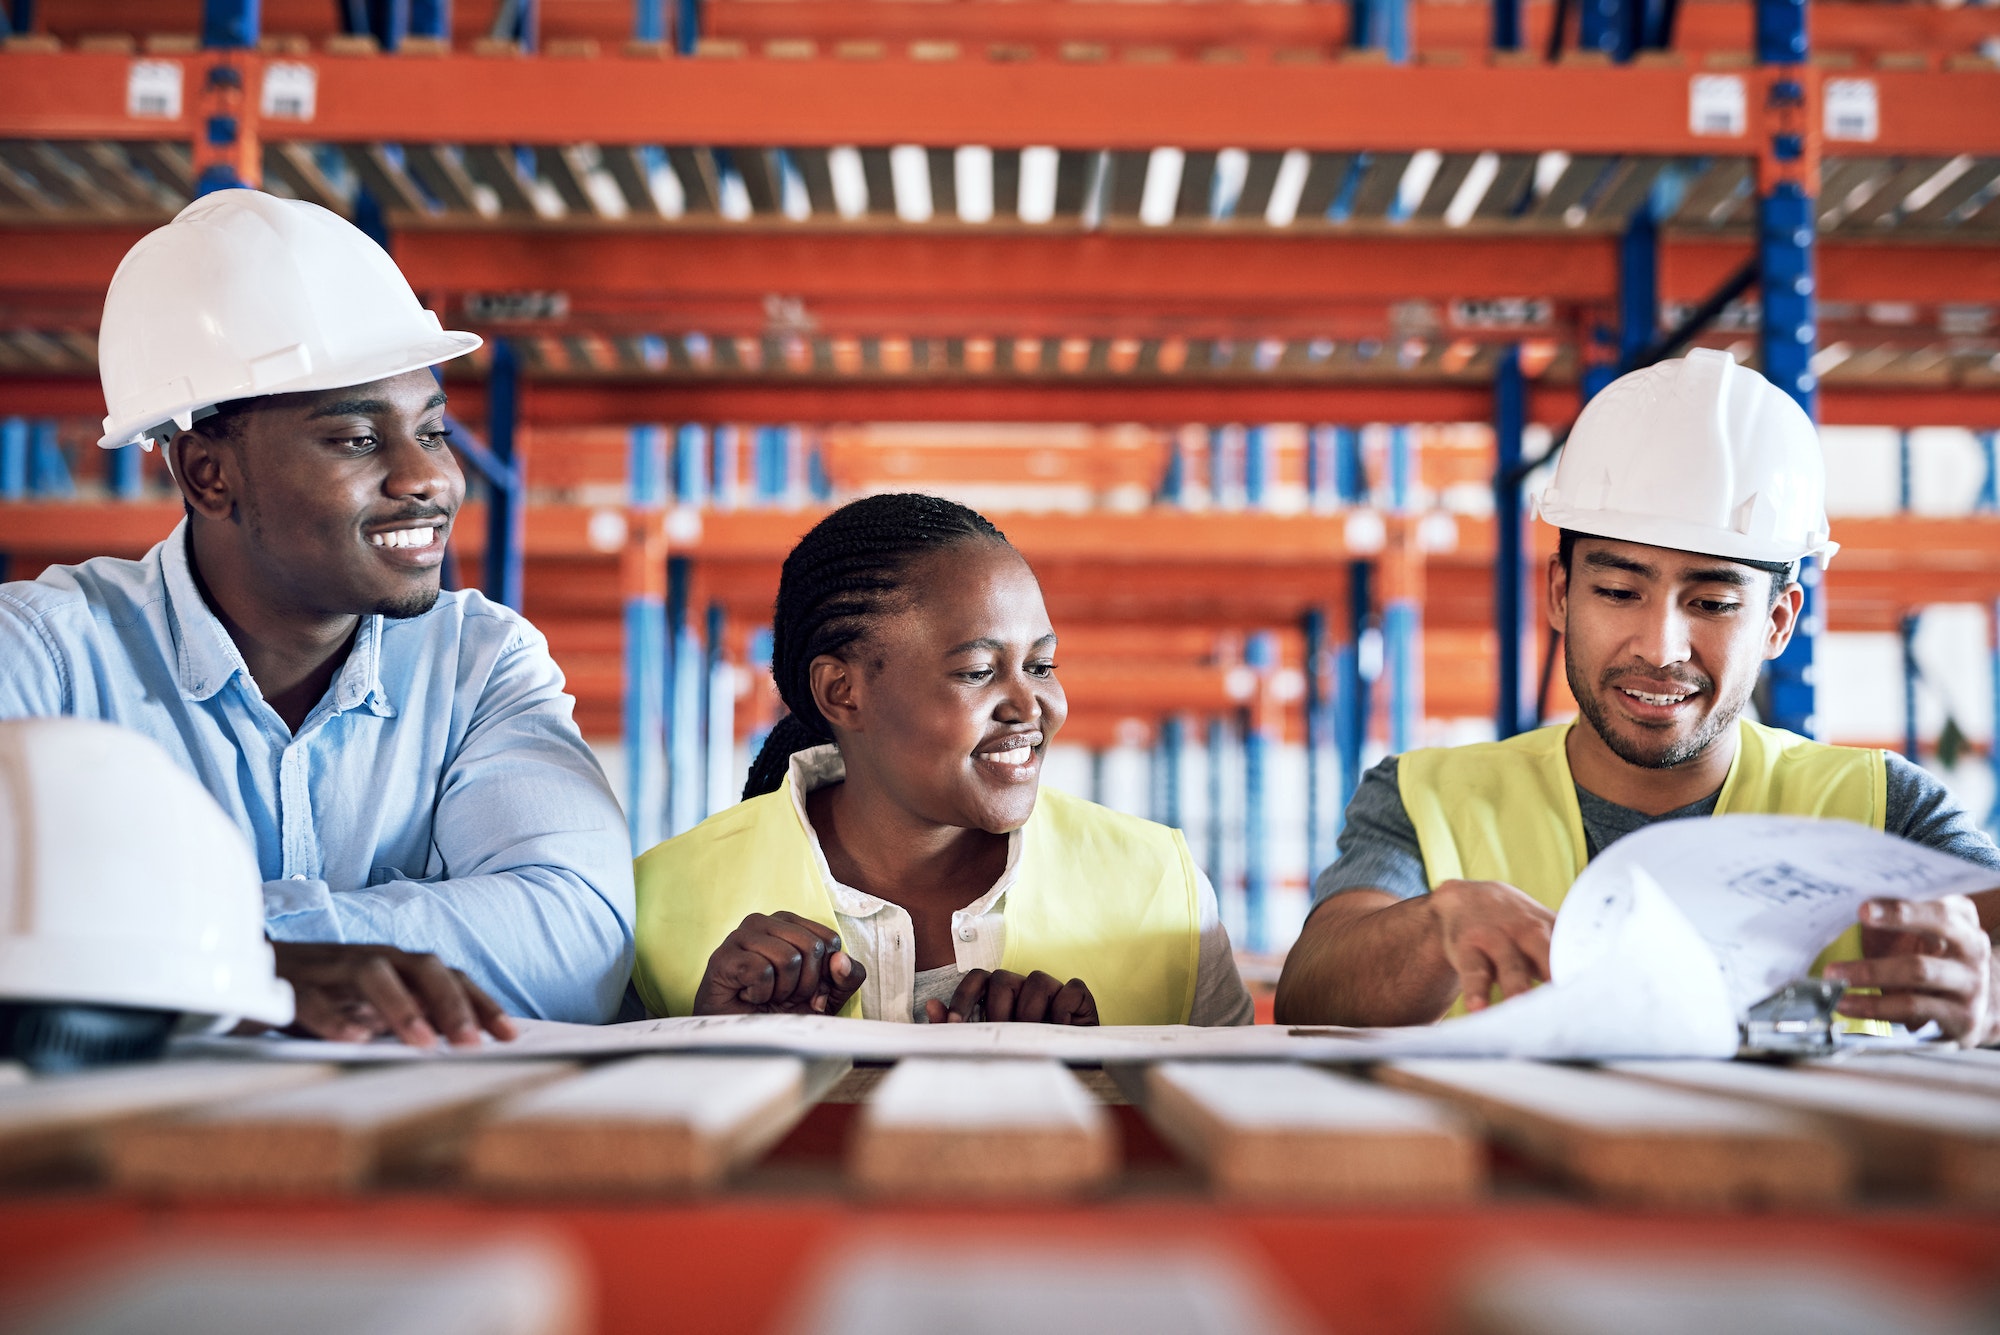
[{"x": 1622, "y": 1140}]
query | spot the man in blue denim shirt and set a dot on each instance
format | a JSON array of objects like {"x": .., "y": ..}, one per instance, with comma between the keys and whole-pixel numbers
[{"x": 439, "y": 847}]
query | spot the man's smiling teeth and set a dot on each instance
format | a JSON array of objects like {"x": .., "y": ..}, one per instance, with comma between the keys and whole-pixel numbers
[
  {"x": 1018, "y": 756},
  {"x": 1652, "y": 699},
  {"x": 403, "y": 537}
]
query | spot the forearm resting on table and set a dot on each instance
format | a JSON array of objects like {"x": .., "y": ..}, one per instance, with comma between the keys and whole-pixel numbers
[{"x": 1366, "y": 958}]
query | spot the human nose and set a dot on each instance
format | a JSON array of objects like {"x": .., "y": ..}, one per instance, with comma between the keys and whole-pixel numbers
[
  {"x": 1018, "y": 703},
  {"x": 420, "y": 473},
  {"x": 1662, "y": 639}
]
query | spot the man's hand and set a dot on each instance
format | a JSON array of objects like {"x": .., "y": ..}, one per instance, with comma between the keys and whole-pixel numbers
[
  {"x": 1492, "y": 933},
  {"x": 1932, "y": 961},
  {"x": 1037, "y": 999},
  {"x": 349, "y": 994},
  {"x": 778, "y": 963}
]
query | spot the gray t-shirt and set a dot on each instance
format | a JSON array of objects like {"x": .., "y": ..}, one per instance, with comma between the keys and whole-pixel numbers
[{"x": 1379, "y": 851}]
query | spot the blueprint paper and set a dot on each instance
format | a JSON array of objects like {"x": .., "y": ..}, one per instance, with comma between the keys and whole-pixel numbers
[{"x": 1659, "y": 950}]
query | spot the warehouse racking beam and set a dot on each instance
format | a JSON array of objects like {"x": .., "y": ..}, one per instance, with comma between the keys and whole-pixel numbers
[{"x": 1193, "y": 104}]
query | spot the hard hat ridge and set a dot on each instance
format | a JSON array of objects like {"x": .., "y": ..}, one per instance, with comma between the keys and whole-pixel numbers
[
  {"x": 243, "y": 295},
  {"x": 1696, "y": 454}
]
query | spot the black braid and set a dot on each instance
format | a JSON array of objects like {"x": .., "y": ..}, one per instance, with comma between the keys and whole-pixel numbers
[{"x": 847, "y": 571}]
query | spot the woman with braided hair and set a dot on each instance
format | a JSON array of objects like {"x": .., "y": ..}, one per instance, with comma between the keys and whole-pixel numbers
[{"x": 895, "y": 856}]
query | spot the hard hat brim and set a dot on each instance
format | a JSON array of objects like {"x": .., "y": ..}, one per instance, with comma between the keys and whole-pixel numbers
[
  {"x": 1680, "y": 536},
  {"x": 446, "y": 345},
  {"x": 41, "y": 969}
]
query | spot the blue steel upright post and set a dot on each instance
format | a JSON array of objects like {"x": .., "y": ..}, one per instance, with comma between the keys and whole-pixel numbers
[
  {"x": 226, "y": 153},
  {"x": 1351, "y": 683},
  {"x": 506, "y": 507},
  {"x": 1788, "y": 185}
]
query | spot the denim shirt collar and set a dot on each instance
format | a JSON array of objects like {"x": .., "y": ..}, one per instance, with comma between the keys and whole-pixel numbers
[{"x": 207, "y": 659}]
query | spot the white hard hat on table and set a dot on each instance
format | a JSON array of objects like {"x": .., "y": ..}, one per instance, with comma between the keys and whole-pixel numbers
[
  {"x": 123, "y": 883},
  {"x": 244, "y": 294},
  {"x": 1700, "y": 455}
]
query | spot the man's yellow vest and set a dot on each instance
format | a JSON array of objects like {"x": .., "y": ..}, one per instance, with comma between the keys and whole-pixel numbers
[
  {"x": 1507, "y": 811},
  {"x": 1100, "y": 896}
]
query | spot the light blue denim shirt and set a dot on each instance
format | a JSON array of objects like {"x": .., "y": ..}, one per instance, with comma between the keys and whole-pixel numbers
[{"x": 439, "y": 797}]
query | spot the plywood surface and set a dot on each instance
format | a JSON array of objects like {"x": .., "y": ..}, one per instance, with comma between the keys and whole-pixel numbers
[
  {"x": 968, "y": 1128},
  {"x": 1625, "y": 1140},
  {"x": 1273, "y": 1131}
]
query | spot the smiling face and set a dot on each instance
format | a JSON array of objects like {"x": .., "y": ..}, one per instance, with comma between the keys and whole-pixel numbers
[
  {"x": 948, "y": 705},
  {"x": 1663, "y": 647},
  {"x": 343, "y": 498}
]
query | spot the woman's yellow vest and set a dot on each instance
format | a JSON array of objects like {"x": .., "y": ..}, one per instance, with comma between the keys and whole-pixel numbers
[
  {"x": 1507, "y": 811},
  {"x": 1100, "y": 896}
]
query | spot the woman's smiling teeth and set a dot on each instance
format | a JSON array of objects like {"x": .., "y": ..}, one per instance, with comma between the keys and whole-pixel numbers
[
  {"x": 1018, "y": 756},
  {"x": 403, "y": 537}
]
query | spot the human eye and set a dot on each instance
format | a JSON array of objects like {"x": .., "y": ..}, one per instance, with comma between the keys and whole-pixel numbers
[
  {"x": 436, "y": 438},
  {"x": 1613, "y": 594},
  {"x": 1042, "y": 667},
  {"x": 1717, "y": 606},
  {"x": 977, "y": 676},
  {"x": 357, "y": 444}
]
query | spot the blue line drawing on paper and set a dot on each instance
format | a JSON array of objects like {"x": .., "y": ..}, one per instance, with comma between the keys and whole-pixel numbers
[{"x": 1785, "y": 884}]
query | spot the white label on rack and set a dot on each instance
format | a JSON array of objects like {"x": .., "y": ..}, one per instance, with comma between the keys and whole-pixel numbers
[
  {"x": 1718, "y": 105},
  {"x": 1853, "y": 112},
  {"x": 153, "y": 90},
  {"x": 291, "y": 91}
]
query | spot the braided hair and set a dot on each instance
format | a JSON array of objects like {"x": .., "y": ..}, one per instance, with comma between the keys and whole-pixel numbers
[{"x": 850, "y": 569}]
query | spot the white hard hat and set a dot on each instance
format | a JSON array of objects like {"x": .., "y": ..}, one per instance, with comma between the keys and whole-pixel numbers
[
  {"x": 245, "y": 294},
  {"x": 1700, "y": 455},
  {"x": 123, "y": 883}
]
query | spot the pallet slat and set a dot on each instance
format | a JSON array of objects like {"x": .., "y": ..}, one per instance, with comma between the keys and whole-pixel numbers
[
  {"x": 648, "y": 1124},
  {"x": 1906, "y": 1069},
  {"x": 1275, "y": 1131},
  {"x": 331, "y": 1136},
  {"x": 60, "y": 1121},
  {"x": 1624, "y": 1140},
  {"x": 990, "y": 1129},
  {"x": 1906, "y": 1137}
]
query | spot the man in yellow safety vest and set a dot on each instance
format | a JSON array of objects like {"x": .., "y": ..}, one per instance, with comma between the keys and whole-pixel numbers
[{"x": 1687, "y": 495}]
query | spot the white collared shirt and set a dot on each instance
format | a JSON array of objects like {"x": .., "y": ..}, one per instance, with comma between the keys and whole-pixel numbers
[{"x": 881, "y": 936}]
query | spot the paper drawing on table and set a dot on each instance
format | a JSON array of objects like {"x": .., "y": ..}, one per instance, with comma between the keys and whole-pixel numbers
[{"x": 1784, "y": 884}]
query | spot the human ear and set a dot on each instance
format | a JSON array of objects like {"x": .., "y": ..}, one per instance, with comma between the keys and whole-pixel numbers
[
  {"x": 203, "y": 468},
  {"x": 837, "y": 690},
  {"x": 1784, "y": 620},
  {"x": 1558, "y": 595}
]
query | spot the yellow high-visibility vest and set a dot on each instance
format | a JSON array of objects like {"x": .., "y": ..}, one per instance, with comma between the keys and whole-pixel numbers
[
  {"x": 1101, "y": 896},
  {"x": 1507, "y": 811}
]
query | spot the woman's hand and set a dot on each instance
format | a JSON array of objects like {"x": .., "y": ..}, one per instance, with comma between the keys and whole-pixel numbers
[
  {"x": 1000, "y": 995},
  {"x": 778, "y": 963}
]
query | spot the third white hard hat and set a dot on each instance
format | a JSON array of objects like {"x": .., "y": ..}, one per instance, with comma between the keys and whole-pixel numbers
[
  {"x": 1700, "y": 455},
  {"x": 123, "y": 883},
  {"x": 245, "y": 294}
]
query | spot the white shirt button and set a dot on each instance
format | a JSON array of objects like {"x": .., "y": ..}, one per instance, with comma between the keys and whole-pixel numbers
[
  {"x": 966, "y": 934},
  {"x": 298, "y": 876}
]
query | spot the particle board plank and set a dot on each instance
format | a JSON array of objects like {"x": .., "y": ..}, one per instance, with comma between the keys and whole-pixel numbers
[
  {"x": 443, "y": 174},
  {"x": 59, "y": 1122},
  {"x": 392, "y": 188},
  {"x": 818, "y": 178},
  {"x": 993, "y": 1129},
  {"x": 1376, "y": 194},
  {"x": 1259, "y": 178},
  {"x": 1623, "y": 1140},
  {"x": 1277, "y": 1131},
  {"x": 1006, "y": 182},
  {"x": 1128, "y": 182},
  {"x": 1569, "y": 189},
  {"x": 1444, "y": 187},
  {"x": 1076, "y": 169},
  {"x": 651, "y": 1124},
  {"x": 556, "y": 164},
  {"x": 167, "y": 163},
  {"x": 1511, "y": 184},
  {"x": 1712, "y": 192},
  {"x": 759, "y": 169},
  {"x": 881, "y": 181},
  {"x": 622, "y": 161},
  {"x": 1631, "y": 181},
  {"x": 700, "y": 185},
  {"x": 110, "y": 171},
  {"x": 328, "y": 1137},
  {"x": 942, "y": 168},
  {"x": 1908, "y": 1069},
  {"x": 1907, "y": 1138},
  {"x": 1883, "y": 205},
  {"x": 1954, "y": 196},
  {"x": 294, "y": 165},
  {"x": 1197, "y": 184},
  {"x": 1323, "y": 181}
]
